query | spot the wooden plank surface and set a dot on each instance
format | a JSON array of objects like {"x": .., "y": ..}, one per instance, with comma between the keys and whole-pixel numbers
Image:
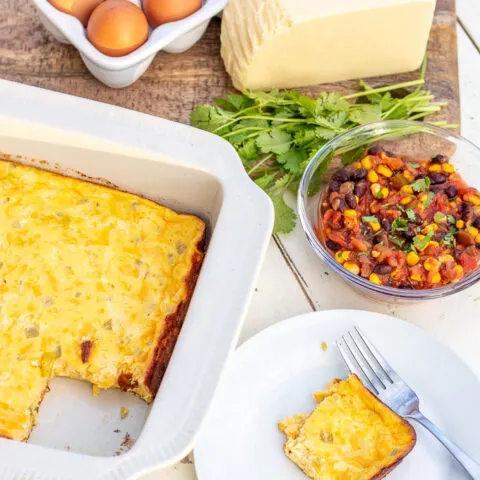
[{"x": 174, "y": 83}]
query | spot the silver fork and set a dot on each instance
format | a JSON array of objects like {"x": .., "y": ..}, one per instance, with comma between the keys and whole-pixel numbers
[{"x": 363, "y": 359}]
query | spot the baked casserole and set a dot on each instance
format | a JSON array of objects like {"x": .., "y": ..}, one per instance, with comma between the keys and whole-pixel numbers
[
  {"x": 95, "y": 284},
  {"x": 351, "y": 435}
]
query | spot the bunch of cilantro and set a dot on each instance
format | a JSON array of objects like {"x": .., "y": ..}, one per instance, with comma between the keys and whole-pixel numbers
[{"x": 277, "y": 133}]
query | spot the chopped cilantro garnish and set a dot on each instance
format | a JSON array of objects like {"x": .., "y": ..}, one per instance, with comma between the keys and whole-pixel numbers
[
  {"x": 414, "y": 164},
  {"x": 410, "y": 214},
  {"x": 428, "y": 201},
  {"x": 421, "y": 243},
  {"x": 400, "y": 225},
  {"x": 439, "y": 216},
  {"x": 421, "y": 185},
  {"x": 371, "y": 219},
  {"x": 380, "y": 195},
  {"x": 451, "y": 219},
  {"x": 449, "y": 239},
  {"x": 399, "y": 242}
]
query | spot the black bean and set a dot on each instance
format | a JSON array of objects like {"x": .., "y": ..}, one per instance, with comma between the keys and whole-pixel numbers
[
  {"x": 334, "y": 186},
  {"x": 439, "y": 159},
  {"x": 360, "y": 189},
  {"x": 405, "y": 286},
  {"x": 365, "y": 230},
  {"x": 388, "y": 153},
  {"x": 358, "y": 174},
  {"x": 377, "y": 239},
  {"x": 451, "y": 191},
  {"x": 382, "y": 269},
  {"x": 476, "y": 223},
  {"x": 351, "y": 200},
  {"x": 467, "y": 211},
  {"x": 338, "y": 203},
  {"x": 420, "y": 176},
  {"x": 386, "y": 224},
  {"x": 437, "y": 188},
  {"x": 436, "y": 178},
  {"x": 334, "y": 246},
  {"x": 411, "y": 232},
  {"x": 477, "y": 245},
  {"x": 340, "y": 175},
  {"x": 375, "y": 150},
  {"x": 465, "y": 239}
]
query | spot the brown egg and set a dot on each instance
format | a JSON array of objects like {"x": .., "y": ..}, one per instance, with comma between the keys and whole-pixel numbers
[
  {"x": 117, "y": 27},
  {"x": 80, "y": 9},
  {"x": 164, "y": 11}
]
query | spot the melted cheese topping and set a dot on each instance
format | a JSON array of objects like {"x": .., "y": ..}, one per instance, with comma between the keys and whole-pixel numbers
[
  {"x": 82, "y": 265},
  {"x": 351, "y": 435}
]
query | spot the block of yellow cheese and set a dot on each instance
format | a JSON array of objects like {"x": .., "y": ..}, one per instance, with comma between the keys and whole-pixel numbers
[{"x": 290, "y": 43}]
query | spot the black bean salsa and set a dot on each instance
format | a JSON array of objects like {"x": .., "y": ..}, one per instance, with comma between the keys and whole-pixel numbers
[{"x": 401, "y": 221}]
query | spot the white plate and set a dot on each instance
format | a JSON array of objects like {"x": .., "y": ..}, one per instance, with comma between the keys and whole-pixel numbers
[{"x": 274, "y": 374}]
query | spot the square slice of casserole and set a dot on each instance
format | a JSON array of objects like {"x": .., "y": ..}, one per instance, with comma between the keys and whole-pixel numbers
[
  {"x": 94, "y": 283},
  {"x": 351, "y": 435}
]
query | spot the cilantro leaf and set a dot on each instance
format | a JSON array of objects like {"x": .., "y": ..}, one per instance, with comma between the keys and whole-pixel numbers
[
  {"x": 249, "y": 151},
  {"x": 265, "y": 182},
  {"x": 449, "y": 239},
  {"x": 370, "y": 219},
  {"x": 399, "y": 225},
  {"x": 410, "y": 214},
  {"x": 285, "y": 217},
  {"x": 292, "y": 159},
  {"x": 210, "y": 118},
  {"x": 439, "y": 216},
  {"x": 451, "y": 219},
  {"x": 421, "y": 185},
  {"x": 366, "y": 114},
  {"x": 421, "y": 243},
  {"x": 399, "y": 242},
  {"x": 414, "y": 164},
  {"x": 428, "y": 201},
  {"x": 275, "y": 141}
]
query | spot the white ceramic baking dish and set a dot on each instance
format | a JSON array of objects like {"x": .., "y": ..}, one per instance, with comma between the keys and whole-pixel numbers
[
  {"x": 120, "y": 72},
  {"x": 76, "y": 437}
]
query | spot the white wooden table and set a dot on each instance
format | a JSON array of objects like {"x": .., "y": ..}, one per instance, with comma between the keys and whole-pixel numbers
[{"x": 293, "y": 280}]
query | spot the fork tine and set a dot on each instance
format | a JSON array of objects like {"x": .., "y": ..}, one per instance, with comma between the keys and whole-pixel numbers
[
  {"x": 370, "y": 359},
  {"x": 366, "y": 368},
  {"x": 378, "y": 357},
  {"x": 353, "y": 365}
]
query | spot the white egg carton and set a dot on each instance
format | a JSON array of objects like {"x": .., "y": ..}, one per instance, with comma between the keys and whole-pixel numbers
[{"x": 120, "y": 72}]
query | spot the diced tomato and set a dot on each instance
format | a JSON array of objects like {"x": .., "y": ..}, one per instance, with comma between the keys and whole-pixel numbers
[
  {"x": 360, "y": 245},
  {"x": 468, "y": 262},
  {"x": 366, "y": 265},
  {"x": 337, "y": 238}
]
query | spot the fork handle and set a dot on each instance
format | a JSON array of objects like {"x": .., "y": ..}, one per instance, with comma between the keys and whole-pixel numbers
[{"x": 472, "y": 467}]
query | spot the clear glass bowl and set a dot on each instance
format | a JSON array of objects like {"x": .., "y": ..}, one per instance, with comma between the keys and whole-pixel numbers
[{"x": 417, "y": 139}]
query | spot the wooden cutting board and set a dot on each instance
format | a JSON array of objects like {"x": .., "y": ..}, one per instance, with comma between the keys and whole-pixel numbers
[{"x": 174, "y": 83}]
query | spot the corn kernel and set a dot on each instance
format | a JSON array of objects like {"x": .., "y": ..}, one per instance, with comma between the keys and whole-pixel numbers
[
  {"x": 409, "y": 175},
  {"x": 430, "y": 228},
  {"x": 372, "y": 176},
  {"x": 384, "y": 191},
  {"x": 433, "y": 244},
  {"x": 416, "y": 276},
  {"x": 472, "y": 198},
  {"x": 375, "y": 226},
  {"x": 448, "y": 168},
  {"x": 357, "y": 165},
  {"x": 375, "y": 188},
  {"x": 352, "y": 267},
  {"x": 477, "y": 239},
  {"x": 460, "y": 224},
  {"x": 407, "y": 189},
  {"x": 435, "y": 168},
  {"x": 412, "y": 259},
  {"x": 431, "y": 264},
  {"x": 374, "y": 278},
  {"x": 446, "y": 258},
  {"x": 423, "y": 196},
  {"x": 406, "y": 200},
  {"x": 458, "y": 273},
  {"x": 472, "y": 231},
  {"x": 342, "y": 257},
  {"x": 384, "y": 170},
  {"x": 350, "y": 213},
  {"x": 367, "y": 162},
  {"x": 435, "y": 278}
]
